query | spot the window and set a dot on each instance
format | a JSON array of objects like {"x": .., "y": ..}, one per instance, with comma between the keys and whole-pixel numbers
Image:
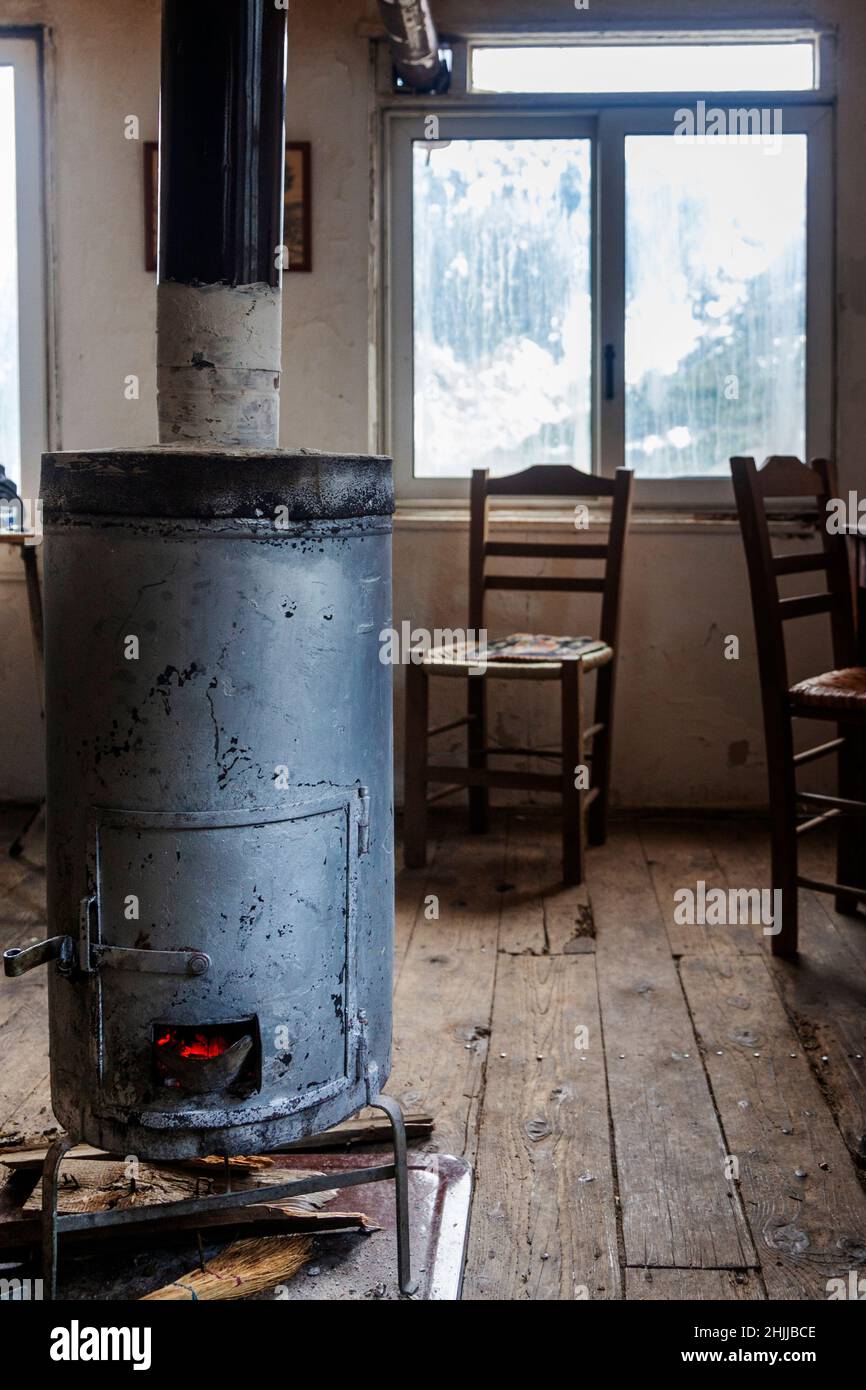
[
  {"x": 10, "y": 412},
  {"x": 715, "y": 313},
  {"x": 657, "y": 67},
  {"x": 599, "y": 284},
  {"x": 502, "y": 326},
  {"x": 23, "y": 410}
]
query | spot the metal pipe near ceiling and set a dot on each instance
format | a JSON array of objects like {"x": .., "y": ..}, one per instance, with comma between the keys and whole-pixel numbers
[{"x": 414, "y": 44}]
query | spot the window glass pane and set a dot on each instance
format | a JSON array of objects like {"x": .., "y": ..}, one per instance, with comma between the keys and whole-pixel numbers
[
  {"x": 646, "y": 67},
  {"x": 715, "y": 301},
  {"x": 501, "y": 237},
  {"x": 10, "y": 425}
]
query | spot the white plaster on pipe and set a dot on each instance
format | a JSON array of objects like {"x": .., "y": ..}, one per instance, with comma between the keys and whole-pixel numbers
[
  {"x": 226, "y": 325},
  {"x": 218, "y": 405},
  {"x": 218, "y": 369}
]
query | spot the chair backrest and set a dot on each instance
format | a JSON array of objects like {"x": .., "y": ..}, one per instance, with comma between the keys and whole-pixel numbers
[
  {"x": 785, "y": 477},
  {"x": 550, "y": 480}
]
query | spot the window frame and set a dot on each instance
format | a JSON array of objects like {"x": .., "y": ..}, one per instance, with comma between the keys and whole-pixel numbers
[
  {"x": 607, "y": 120},
  {"x": 614, "y": 126},
  {"x": 22, "y": 50},
  {"x": 398, "y": 377}
]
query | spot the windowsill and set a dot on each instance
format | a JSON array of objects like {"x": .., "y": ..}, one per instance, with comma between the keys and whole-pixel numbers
[{"x": 438, "y": 515}]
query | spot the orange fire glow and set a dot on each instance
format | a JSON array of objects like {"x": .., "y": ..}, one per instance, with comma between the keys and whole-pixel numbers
[{"x": 194, "y": 1045}]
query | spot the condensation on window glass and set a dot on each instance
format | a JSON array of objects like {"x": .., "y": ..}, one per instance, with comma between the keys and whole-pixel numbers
[
  {"x": 502, "y": 320},
  {"x": 645, "y": 67},
  {"x": 715, "y": 342},
  {"x": 10, "y": 421}
]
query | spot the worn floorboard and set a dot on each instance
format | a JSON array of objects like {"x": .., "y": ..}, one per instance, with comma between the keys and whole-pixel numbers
[
  {"x": 680, "y": 861},
  {"x": 544, "y": 1215},
  {"x": 678, "y": 1209},
  {"x": 410, "y": 900},
  {"x": 444, "y": 997},
  {"x": 806, "y": 1207},
  {"x": 686, "y": 1285},
  {"x": 603, "y": 1169},
  {"x": 824, "y": 989},
  {"x": 818, "y": 860},
  {"x": 540, "y": 915}
]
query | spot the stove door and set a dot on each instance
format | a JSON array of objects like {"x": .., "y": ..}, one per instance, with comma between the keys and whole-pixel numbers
[{"x": 232, "y": 925}]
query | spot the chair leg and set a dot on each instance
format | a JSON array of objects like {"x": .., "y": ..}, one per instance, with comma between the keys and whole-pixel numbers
[
  {"x": 783, "y": 811},
  {"x": 479, "y": 797},
  {"x": 572, "y": 757},
  {"x": 850, "y": 857},
  {"x": 601, "y": 755},
  {"x": 415, "y": 768}
]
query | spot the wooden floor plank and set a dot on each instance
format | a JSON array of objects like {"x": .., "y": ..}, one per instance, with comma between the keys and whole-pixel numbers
[
  {"x": 24, "y": 1053},
  {"x": 544, "y": 1224},
  {"x": 818, "y": 860},
  {"x": 410, "y": 892},
  {"x": 804, "y": 1202},
  {"x": 678, "y": 1210},
  {"x": 540, "y": 914},
  {"x": 679, "y": 859},
  {"x": 22, "y": 894},
  {"x": 444, "y": 997},
  {"x": 824, "y": 990},
  {"x": 691, "y": 1285},
  {"x": 32, "y": 1116},
  {"x": 527, "y": 863},
  {"x": 12, "y": 818},
  {"x": 506, "y": 957}
]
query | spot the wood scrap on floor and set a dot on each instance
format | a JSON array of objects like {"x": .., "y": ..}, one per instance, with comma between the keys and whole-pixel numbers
[
  {"x": 100, "y": 1184},
  {"x": 244, "y": 1268},
  {"x": 16, "y": 1151},
  {"x": 86, "y": 1185},
  {"x": 363, "y": 1129}
]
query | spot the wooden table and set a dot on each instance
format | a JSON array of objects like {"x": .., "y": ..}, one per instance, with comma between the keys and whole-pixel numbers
[{"x": 26, "y": 543}]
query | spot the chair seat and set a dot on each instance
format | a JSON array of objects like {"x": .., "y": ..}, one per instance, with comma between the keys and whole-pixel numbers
[
  {"x": 842, "y": 690},
  {"x": 522, "y": 653}
]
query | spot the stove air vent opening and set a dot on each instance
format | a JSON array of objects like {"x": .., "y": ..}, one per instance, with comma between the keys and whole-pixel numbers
[{"x": 201, "y": 1058}]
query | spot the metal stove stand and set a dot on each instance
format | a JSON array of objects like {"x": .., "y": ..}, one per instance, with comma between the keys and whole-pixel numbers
[{"x": 55, "y": 1224}]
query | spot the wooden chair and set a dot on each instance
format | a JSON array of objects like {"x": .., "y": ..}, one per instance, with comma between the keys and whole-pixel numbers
[
  {"x": 550, "y": 480},
  {"x": 838, "y": 695}
]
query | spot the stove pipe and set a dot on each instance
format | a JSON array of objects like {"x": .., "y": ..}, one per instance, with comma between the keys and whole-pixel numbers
[
  {"x": 222, "y": 115},
  {"x": 220, "y": 827}
]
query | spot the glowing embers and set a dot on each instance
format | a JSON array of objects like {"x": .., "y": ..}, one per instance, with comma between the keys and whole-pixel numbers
[
  {"x": 201, "y": 1044},
  {"x": 201, "y": 1058}
]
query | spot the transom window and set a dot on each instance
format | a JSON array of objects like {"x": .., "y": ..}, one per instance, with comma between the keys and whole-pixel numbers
[
  {"x": 618, "y": 283},
  {"x": 643, "y": 67}
]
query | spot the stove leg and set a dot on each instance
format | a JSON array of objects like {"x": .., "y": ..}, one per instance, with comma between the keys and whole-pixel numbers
[
  {"x": 50, "y": 1181},
  {"x": 401, "y": 1191}
]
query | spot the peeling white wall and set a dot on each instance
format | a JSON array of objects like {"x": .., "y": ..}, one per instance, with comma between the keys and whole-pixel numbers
[{"x": 688, "y": 721}]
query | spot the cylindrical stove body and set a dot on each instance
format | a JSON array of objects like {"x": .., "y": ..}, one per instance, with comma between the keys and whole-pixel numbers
[{"x": 219, "y": 794}]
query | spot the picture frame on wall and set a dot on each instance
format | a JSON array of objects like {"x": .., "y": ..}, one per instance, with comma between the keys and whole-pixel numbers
[
  {"x": 297, "y": 206},
  {"x": 298, "y": 210},
  {"x": 151, "y": 204}
]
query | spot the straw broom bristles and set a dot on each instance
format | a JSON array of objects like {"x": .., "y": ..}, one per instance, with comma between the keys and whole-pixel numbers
[{"x": 245, "y": 1267}]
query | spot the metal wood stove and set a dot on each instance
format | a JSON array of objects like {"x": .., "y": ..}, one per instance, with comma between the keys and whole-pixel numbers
[{"x": 219, "y": 723}]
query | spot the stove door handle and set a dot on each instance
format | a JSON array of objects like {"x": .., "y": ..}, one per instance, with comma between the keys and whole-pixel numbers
[
  {"x": 149, "y": 962},
  {"x": 18, "y": 960}
]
